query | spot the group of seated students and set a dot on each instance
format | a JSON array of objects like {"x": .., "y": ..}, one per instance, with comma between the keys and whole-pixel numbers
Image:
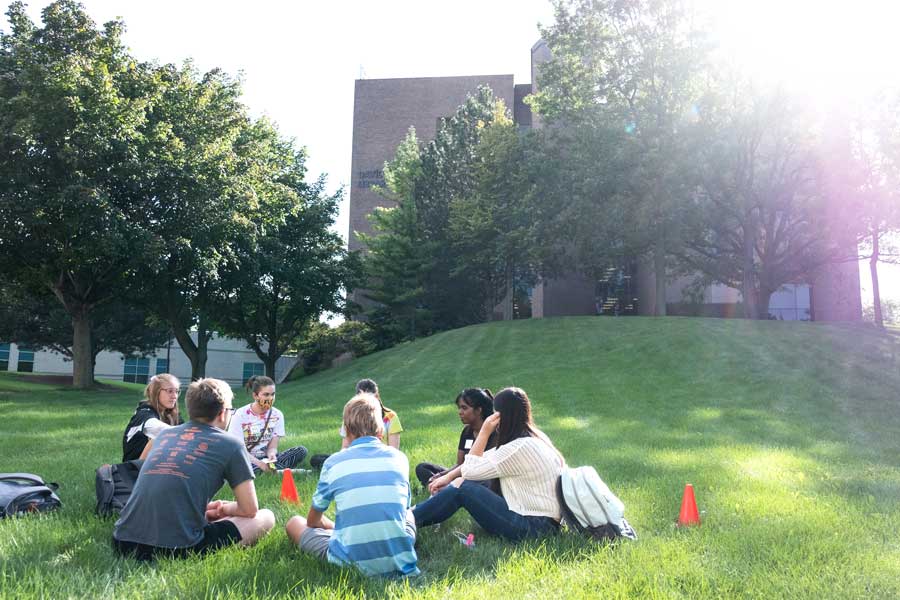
[{"x": 505, "y": 476}]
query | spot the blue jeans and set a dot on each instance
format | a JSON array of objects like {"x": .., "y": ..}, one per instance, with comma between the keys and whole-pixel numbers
[{"x": 488, "y": 509}]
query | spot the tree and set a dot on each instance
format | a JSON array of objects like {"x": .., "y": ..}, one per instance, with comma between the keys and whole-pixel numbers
[
  {"x": 198, "y": 164},
  {"x": 876, "y": 153},
  {"x": 294, "y": 268},
  {"x": 761, "y": 197},
  {"x": 633, "y": 67},
  {"x": 41, "y": 323},
  {"x": 449, "y": 175},
  {"x": 72, "y": 106},
  {"x": 502, "y": 233},
  {"x": 399, "y": 253}
]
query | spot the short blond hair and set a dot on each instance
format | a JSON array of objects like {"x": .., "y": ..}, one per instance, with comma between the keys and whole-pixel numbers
[{"x": 362, "y": 416}]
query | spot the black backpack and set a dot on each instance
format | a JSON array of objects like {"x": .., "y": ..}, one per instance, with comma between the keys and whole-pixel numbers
[
  {"x": 114, "y": 486},
  {"x": 22, "y": 493}
]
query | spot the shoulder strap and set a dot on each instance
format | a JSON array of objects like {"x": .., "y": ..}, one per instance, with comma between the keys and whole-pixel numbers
[
  {"x": 24, "y": 477},
  {"x": 262, "y": 434}
]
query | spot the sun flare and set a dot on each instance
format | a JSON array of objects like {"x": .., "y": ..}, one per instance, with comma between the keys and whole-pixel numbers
[{"x": 829, "y": 51}]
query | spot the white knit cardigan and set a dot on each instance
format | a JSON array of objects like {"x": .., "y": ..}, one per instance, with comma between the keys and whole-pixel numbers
[{"x": 528, "y": 468}]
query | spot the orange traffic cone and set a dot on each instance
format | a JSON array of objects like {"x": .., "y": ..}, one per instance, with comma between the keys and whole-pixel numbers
[
  {"x": 288, "y": 489},
  {"x": 689, "y": 514}
]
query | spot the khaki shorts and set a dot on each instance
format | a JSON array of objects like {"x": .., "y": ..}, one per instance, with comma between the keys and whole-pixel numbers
[{"x": 315, "y": 540}]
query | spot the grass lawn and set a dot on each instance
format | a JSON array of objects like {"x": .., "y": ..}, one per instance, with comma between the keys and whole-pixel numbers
[{"x": 788, "y": 431}]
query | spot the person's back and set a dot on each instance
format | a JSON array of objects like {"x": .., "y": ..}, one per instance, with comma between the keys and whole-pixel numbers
[
  {"x": 369, "y": 483},
  {"x": 170, "y": 511},
  {"x": 186, "y": 467}
]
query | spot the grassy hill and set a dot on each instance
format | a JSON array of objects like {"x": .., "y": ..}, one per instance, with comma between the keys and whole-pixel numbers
[{"x": 788, "y": 432}]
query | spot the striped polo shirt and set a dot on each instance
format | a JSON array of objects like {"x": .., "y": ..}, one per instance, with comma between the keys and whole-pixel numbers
[{"x": 369, "y": 484}]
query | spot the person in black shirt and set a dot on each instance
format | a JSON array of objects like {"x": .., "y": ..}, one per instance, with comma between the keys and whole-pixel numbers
[
  {"x": 474, "y": 406},
  {"x": 156, "y": 413}
]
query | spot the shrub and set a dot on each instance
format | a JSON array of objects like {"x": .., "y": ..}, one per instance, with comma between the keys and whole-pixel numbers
[{"x": 323, "y": 344}]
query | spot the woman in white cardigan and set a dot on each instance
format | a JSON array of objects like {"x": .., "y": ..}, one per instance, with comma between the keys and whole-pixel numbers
[{"x": 525, "y": 461}]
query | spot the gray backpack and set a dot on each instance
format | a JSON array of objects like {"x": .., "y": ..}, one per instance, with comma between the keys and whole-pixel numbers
[
  {"x": 114, "y": 486},
  {"x": 22, "y": 493}
]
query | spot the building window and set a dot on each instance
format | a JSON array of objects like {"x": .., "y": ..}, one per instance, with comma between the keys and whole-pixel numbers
[
  {"x": 162, "y": 365},
  {"x": 26, "y": 360},
  {"x": 136, "y": 370},
  {"x": 251, "y": 369},
  {"x": 4, "y": 357}
]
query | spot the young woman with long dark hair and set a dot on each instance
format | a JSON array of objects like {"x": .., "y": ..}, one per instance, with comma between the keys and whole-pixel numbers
[
  {"x": 527, "y": 465},
  {"x": 473, "y": 405}
]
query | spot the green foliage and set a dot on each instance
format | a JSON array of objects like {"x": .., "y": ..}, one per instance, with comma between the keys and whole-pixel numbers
[
  {"x": 450, "y": 166},
  {"x": 294, "y": 267},
  {"x": 468, "y": 224},
  {"x": 632, "y": 67},
  {"x": 400, "y": 254},
  {"x": 322, "y": 344},
  {"x": 194, "y": 166},
  {"x": 73, "y": 105},
  {"x": 762, "y": 200},
  {"x": 40, "y": 323}
]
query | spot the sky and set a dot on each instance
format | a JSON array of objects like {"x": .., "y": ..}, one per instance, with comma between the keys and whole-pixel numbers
[{"x": 300, "y": 58}]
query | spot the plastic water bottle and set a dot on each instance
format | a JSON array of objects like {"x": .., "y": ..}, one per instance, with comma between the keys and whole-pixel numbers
[{"x": 295, "y": 471}]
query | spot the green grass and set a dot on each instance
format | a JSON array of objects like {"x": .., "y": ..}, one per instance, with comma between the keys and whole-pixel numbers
[{"x": 788, "y": 432}]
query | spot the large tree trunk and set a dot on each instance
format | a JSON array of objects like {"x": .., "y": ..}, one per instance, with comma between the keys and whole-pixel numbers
[
  {"x": 659, "y": 274},
  {"x": 196, "y": 353},
  {"x": 270, "y": 366},
  {"x": 763, "y": 296},
  {"x": 749, "y": 292},
  {"x": 82, "y": 352},
  {"x": 198, "y": 366},
  {"x": 876, "y": 292}
]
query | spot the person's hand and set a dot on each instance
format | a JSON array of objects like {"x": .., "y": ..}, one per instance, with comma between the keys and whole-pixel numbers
[
  {"x": 215, "y": 510},
  {"x": 272, "y": 455},
  {"x": 492, "y": 422},
  {"x": 438, "y": 483}
]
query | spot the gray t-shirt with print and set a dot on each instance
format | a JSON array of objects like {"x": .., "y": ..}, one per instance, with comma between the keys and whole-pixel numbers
[{"x": 185, "y": 469}]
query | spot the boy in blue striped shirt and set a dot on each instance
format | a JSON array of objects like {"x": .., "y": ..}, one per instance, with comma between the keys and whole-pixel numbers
[{"x": 369, "y": 484}]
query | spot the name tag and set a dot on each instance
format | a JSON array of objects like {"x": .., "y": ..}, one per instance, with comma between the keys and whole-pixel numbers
[{"x": 468, "y": 444}]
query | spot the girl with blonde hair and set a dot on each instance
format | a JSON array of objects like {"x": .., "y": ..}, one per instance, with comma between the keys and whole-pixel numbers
[{"x": 154, "y": 414}]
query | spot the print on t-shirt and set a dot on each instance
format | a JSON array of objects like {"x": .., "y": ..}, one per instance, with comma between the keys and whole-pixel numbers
[{"x": 250, "y": 427}]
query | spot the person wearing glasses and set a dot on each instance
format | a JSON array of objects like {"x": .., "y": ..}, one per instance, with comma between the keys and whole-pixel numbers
[
  {"x": 186, "y": 467},
  {"x": 156, "y": 413},
  {"x": 473, "y": 405},
  {"x": 259, "y": 425}
]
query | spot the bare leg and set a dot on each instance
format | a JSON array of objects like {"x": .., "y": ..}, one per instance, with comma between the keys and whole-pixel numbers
[
  {"x": 252, "y": 530},
  {"x": 295, "y": 528}
]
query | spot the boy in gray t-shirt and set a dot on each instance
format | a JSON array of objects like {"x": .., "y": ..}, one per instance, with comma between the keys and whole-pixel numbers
[{"x": 170, "y": 511}]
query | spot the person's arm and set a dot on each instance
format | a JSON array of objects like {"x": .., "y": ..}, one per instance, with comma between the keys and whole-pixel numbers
[
  {"x": 146, "y": 450},
  {"x": 487, "y": 428},
  {"x": 318, "y": 519},
  {"x": 272, "y": 448},
  {"x": 244, "y": 505},
  {"x": 439, "y": 482},
  {"x": 394, "y": 440}
]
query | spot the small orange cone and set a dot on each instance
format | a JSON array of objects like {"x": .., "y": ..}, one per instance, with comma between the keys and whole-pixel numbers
[
  {"x": 689, "y": 514},
  {"x": 288, "y": 489}
]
